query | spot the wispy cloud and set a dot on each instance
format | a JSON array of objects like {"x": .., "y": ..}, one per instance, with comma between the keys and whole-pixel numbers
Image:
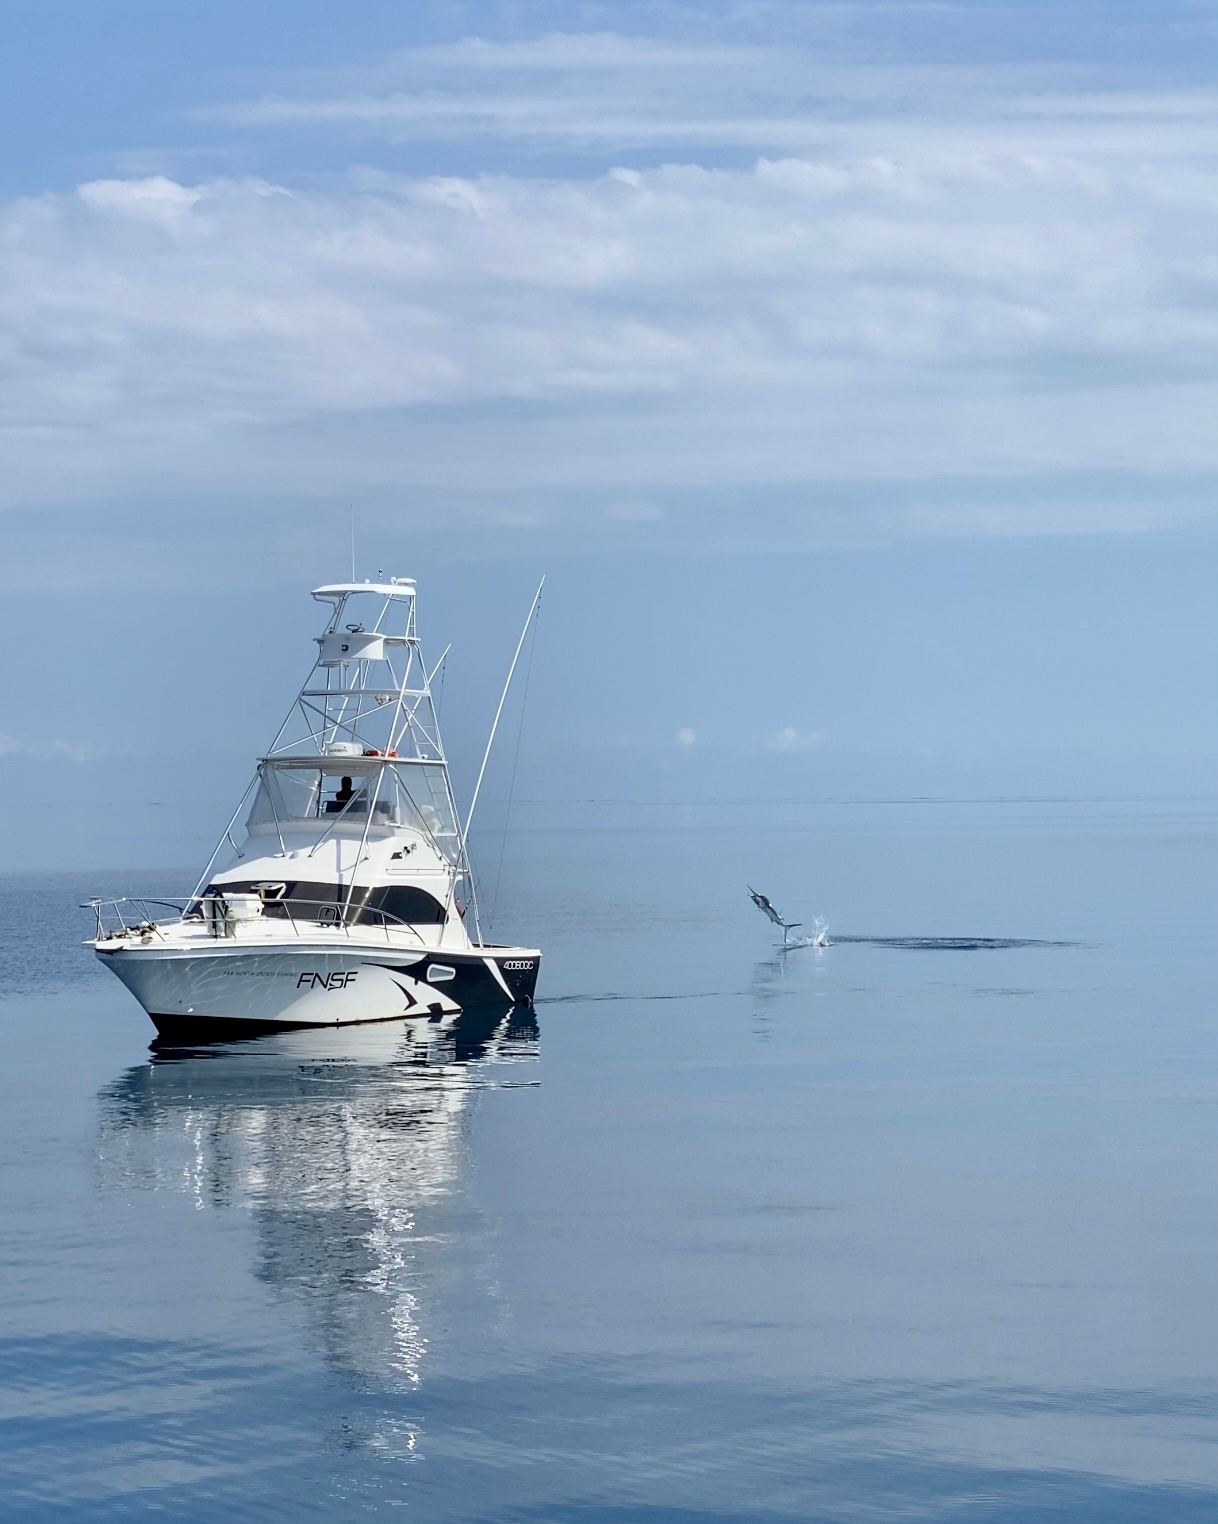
[
  {"x": 605, "y": 89},
  {"x": 789, "y": 740},
  {"x": 590, "y": 88},
  {"x": 71, "y": 751}
]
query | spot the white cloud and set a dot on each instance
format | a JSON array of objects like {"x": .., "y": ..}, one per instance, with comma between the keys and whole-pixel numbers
[
  {"x": 154, "y": 197},
  {"x": 1017, "y": 287},
  {"x": 687, "y": 736},
  {"x": 790, "y": 740}
]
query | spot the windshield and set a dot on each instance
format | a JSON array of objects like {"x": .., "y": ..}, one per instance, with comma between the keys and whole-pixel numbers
[{"x": 344, "y": 792}]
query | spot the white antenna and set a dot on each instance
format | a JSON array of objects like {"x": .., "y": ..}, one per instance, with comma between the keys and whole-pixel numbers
[
  {"x": 353, "y": 542},
  {"x": 486, "y": 756}
]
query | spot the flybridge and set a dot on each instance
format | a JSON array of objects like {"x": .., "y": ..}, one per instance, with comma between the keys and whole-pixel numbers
[
  {"x": 359, "y": 757},
  {"x": 369, "y": 693}
]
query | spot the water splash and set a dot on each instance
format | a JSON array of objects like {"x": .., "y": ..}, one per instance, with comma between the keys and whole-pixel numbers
[{"x": 819, "y": 936}]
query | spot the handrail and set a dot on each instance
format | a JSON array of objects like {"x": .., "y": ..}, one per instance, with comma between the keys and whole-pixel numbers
[{"x": 376, "y": 918}]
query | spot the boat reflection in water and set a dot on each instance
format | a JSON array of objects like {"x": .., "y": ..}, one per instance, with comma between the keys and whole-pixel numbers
[{"x": 345, "y": 1144}]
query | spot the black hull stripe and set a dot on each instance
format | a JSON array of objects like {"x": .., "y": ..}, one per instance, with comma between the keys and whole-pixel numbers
[
  {"x": 203, "y": 1027},
  {"x": 478, "y": 990}
]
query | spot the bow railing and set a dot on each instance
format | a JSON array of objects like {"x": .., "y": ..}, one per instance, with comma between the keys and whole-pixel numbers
[{"x": 129, "y": 917}]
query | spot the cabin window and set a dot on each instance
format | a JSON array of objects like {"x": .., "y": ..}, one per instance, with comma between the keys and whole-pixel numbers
[
  {"x": 340, "y": 794},
  {"x": 282, "y": 902},
  {"x": 313, "y": 901},
  {"x": 405, "y": 902}
]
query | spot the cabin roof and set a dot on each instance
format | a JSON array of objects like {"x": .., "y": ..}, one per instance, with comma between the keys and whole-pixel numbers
[
  {"x": 336, "y": 763},
  {"x": 400, "y": 587}
]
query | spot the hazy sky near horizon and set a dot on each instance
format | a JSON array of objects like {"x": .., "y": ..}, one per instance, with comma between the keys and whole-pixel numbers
[{"x": 751, "y": 297}]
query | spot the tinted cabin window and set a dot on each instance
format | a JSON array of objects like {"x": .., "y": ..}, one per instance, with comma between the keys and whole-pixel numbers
[
  {"x": 303, "y": 902},
  {"x": 299, "y": 901},
  {"x": 403, "y": 902}
]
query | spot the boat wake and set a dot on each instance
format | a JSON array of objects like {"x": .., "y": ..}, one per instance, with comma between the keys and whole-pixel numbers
[{"x": 952, "y": 944}]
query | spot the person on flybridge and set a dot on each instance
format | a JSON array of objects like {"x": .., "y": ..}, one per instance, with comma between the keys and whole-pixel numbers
[{"x": 342, "y": 798}]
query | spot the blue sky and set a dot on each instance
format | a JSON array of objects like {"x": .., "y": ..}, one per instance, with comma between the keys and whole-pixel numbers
[{"x": 850, "y": 368}]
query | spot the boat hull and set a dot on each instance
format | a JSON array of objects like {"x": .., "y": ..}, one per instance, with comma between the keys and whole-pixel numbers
[{"x": 228, "y": 990}]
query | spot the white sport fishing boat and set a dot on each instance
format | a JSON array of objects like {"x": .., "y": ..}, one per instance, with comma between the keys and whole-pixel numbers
[{"x": 350, "y": 898}]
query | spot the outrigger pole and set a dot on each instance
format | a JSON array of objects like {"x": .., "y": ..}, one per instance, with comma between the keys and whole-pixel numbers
[{"x": 486, "y": 756}]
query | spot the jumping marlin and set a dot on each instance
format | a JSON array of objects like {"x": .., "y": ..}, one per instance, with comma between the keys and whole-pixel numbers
[{"x": 766, "y": 908}]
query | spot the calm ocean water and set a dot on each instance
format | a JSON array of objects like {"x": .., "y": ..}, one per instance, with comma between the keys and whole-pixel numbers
[{"x": 884, "y": 1231}]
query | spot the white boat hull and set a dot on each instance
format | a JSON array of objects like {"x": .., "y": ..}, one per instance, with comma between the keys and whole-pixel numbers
[
  {"x": 229, "y": 989},
  {"x": 276, "y": 988}
]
